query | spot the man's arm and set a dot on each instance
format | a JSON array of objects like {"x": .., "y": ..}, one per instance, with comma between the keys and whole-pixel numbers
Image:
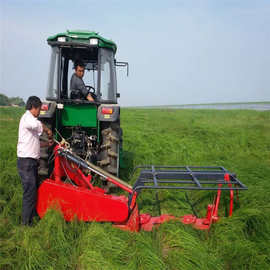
[
  {"x": 78, "y": 84},
  {"x": 50, "y": 141},
  {"x": 32, "y": 123},
  {"x": 86, "y": 93}
]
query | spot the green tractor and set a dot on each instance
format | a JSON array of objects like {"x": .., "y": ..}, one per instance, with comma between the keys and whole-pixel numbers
[{"x": 91, "y": 129}]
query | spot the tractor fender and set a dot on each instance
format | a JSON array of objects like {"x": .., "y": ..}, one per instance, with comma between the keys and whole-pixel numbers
[{"x": 108, "y": 112}]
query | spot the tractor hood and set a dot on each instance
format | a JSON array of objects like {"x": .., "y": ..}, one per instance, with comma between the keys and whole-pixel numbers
[{"x": 77, "y": 37}]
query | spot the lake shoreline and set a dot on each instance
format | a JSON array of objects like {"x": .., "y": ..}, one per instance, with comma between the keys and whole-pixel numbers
[{"x": 257, "y": 106}]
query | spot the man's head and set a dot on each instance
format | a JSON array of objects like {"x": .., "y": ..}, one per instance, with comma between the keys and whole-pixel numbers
[
  {"x": 79, "y": 69},
  {"x": 33, "y": 104}
]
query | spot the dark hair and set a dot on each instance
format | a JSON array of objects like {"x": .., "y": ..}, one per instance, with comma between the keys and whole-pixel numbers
[
  {"x": 79, "y": 63},
  {"x": 33, "y": 101}
]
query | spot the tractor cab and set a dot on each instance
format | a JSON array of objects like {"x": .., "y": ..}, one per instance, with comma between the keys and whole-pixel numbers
[
  {"x": 96, "y": 53},
  {"x": 91, "y": 129}
]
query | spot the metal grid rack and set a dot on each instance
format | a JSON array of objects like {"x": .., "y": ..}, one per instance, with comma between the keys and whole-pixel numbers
[{"x": 186, "y": 178}]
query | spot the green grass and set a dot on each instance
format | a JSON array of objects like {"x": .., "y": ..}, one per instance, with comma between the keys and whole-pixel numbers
[{"x": 236, "y": 139}]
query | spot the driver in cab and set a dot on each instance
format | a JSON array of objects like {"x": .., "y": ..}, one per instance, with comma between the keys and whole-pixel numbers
[{"x": 77, "y": 86}]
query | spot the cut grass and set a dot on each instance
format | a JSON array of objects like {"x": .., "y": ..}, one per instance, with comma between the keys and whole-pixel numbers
[{"x": 237, "y": 140}]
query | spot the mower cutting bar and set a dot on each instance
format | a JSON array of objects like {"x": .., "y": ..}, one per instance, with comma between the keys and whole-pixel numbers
[{"x": 186, "y": 178}]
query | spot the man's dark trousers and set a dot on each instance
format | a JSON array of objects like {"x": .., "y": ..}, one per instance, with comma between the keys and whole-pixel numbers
[{"x": 28, "y": 171}]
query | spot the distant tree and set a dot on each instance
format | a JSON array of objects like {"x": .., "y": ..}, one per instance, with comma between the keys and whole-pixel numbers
[
  {"x": 4, "y": 101},
  {"x": 16, "y": 101}
]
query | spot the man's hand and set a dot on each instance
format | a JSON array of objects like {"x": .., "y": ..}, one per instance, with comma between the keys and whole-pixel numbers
[
  {"x": 47, "y": 130},
  {"x": 50, "y": 142},
  {"x": 89, "y": 98}
]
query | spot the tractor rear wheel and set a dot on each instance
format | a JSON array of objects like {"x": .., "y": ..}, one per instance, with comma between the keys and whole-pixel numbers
[
  {"x": 109, "y": 150},
  {"x": 45, "y": 167}
]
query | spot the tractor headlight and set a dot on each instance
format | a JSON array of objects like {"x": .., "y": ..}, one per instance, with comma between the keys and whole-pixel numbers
[
  {"x": 61, "y": 39},
  {"x": 93, "y": 41}
]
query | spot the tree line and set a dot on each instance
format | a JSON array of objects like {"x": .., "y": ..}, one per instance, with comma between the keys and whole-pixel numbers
[{"x": 8, "y": 101}]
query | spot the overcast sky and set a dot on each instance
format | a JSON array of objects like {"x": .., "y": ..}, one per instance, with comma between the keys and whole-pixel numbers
[{"x": 179, "y": 52}]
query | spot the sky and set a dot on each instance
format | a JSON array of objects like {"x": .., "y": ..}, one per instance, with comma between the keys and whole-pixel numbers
[{"x": 179, "y": 52}]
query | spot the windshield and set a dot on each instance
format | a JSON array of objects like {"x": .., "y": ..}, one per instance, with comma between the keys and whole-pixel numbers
[{"x": 99, "y": 73}]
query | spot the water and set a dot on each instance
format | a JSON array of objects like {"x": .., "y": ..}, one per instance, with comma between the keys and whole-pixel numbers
[{"x": 241, "y": 106}]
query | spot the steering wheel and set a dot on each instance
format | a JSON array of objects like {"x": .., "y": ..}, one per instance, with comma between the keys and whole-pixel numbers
[{"x": 91, "y": 89}]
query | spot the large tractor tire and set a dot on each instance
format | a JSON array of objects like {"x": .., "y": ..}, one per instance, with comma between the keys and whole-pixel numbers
[
  {"x": 45, "y": 167},
  {"x": 109, "y": 150}
]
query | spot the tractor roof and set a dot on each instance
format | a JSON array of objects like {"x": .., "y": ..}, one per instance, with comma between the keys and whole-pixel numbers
[{"x": 79, "y": 36}]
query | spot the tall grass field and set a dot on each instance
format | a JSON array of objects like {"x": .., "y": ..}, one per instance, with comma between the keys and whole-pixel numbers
[{"x": 239, "y": 140}]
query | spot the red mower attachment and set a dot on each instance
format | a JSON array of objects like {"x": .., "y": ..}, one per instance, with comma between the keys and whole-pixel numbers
[{"x": 72, "y": 190}]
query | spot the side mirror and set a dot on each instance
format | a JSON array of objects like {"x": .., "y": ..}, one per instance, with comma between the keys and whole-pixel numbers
[
  {"x": 118, "y": 95},
  {"x": 123, "y": 64}
]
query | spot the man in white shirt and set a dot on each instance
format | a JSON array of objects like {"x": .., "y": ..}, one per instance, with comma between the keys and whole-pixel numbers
[{"x": 28, "y": 153}]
